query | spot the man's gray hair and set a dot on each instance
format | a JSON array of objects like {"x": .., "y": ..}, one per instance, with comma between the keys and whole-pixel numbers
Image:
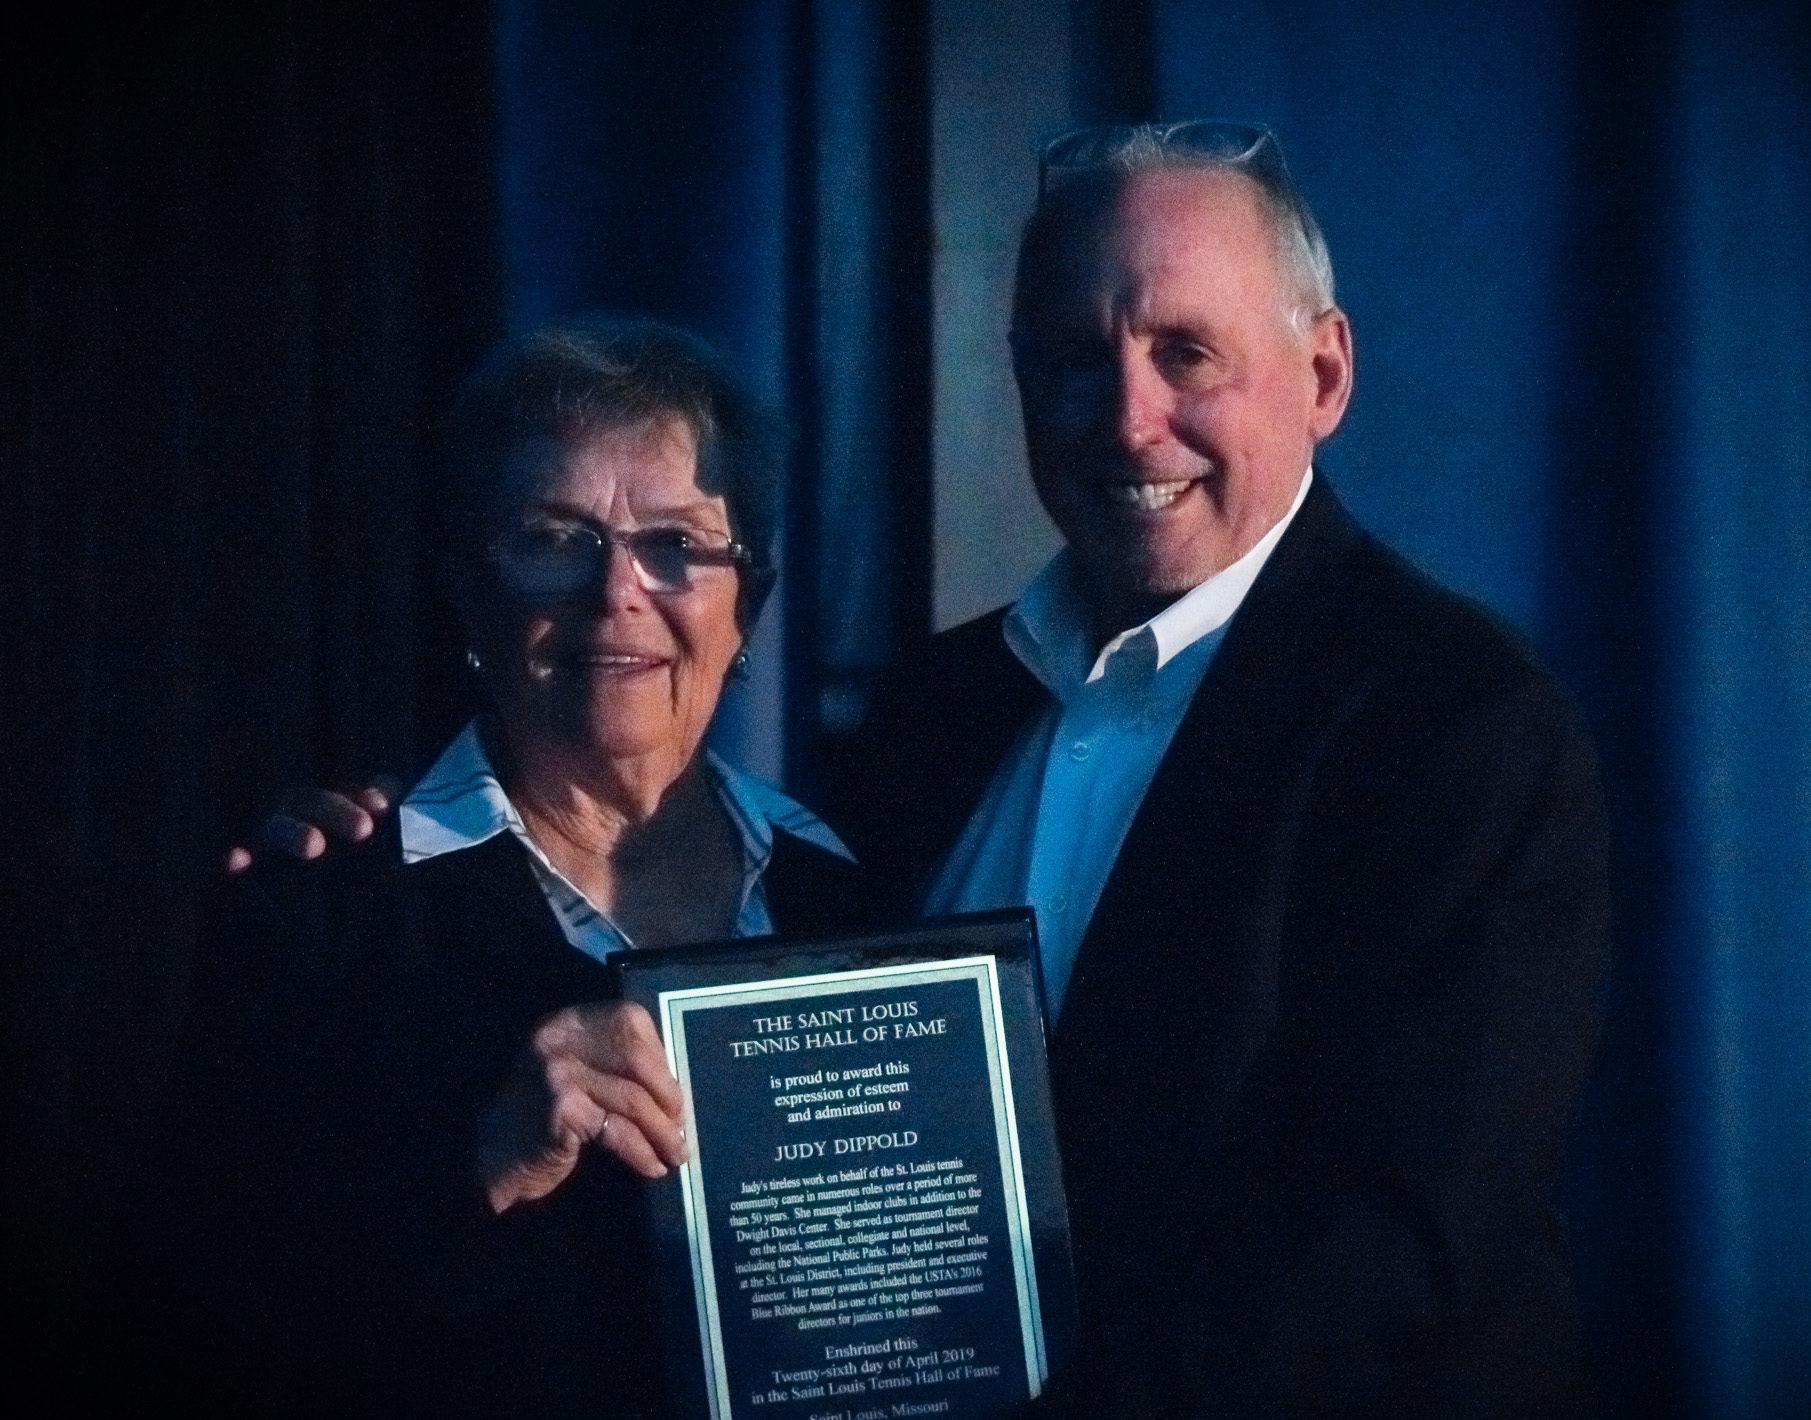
[{"x": 1301, "y": 249}]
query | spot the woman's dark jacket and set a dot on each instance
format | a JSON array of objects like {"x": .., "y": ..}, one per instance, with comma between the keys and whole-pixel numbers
[{"x": 310, "y": 1235}]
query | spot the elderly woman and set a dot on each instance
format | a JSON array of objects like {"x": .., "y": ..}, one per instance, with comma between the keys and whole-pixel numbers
[
  {"x": 616, "y": 497},
  {"x": 483, "y": 1112}
]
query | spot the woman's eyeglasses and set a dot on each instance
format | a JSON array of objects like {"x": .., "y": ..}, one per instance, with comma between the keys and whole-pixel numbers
[{"x": 550, "y": 560}]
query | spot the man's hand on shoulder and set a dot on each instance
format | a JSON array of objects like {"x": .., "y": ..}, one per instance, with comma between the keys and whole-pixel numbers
[{"x": 310, "y": 821}]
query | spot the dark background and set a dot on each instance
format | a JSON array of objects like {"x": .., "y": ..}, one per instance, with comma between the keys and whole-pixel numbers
[{"x": 251, "y": 248}]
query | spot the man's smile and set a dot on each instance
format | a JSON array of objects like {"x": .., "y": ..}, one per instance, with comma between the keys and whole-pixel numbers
[{"x": 1145, "y": 496}]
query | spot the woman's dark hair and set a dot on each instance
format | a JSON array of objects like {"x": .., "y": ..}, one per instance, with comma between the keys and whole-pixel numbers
[{"x": 569, "y": 380}]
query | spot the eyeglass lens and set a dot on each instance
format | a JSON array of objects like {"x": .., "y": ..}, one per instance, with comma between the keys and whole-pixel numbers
[{"x": 558, "y": 560}]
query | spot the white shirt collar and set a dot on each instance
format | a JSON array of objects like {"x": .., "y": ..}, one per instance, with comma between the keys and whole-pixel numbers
[
  {"x": 1049, "y": 630},
  {"x": 459, "y": 803}
]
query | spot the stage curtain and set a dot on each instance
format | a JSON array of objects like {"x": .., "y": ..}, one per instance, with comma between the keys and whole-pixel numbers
[
  {"x": 250, "y": 247},
  {"x": 1575, "y": 242}
]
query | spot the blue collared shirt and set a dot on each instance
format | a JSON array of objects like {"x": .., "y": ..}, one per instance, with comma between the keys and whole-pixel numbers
[
  {"x": 459, "y": 803},
  {"x": 1050, "y": 826}
]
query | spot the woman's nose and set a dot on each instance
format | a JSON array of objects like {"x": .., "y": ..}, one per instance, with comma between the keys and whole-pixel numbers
[{"x": 620, "y": 587}]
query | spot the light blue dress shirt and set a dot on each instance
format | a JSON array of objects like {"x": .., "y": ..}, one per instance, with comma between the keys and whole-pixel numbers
[{"x": 1049, "y": 828}]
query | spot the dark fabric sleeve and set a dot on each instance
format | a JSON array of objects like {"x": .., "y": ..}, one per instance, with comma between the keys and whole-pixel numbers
[
  {"x": 309, "y": 1236},
  {"x": 462, "y": 1311},
  {"x": 227, "y": 1281},
  {"x": 1379, "y": 1236}
]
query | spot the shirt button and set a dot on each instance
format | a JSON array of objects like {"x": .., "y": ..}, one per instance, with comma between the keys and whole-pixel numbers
[
  {"x": 1059, "y": 905},
  {"x": 1079, "y": 750}
]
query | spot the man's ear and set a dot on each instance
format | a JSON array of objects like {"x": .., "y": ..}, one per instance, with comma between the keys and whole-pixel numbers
[{"x": 1330, "y": 347}]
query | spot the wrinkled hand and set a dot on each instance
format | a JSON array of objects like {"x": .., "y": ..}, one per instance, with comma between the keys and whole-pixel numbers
[
  {"x": 592, "y": 1075},
  {"x": 310, "y": 820}
]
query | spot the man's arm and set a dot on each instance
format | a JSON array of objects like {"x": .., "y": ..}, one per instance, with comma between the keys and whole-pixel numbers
[{"x": 310, "y": 820}]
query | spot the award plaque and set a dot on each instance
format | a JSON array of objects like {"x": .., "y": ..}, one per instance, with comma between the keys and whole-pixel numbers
[{"x": 872, "y": 1221}]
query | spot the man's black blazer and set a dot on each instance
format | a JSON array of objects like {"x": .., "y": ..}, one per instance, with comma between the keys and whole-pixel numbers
[{"x": 1331, "y": 1012}]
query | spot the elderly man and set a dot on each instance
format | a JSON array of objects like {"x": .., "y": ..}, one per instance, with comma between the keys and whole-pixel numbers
[{"x": 1316, "y": 850}]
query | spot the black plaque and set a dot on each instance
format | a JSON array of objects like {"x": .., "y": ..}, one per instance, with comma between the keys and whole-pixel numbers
[{"x": 872, "y": 1222}]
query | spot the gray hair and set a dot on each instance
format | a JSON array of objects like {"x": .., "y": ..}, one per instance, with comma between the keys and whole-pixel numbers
[
  {"x": 570, "y": 380},
  {"x": 1301, "y": 249}
]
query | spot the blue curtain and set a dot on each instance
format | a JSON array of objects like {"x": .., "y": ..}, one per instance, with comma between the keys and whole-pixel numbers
[
  {"x": 1734, "y": 501},
  {"x": 753, "y": 171},
  {"x": 1575, "y": 241},
  {"x": 642, "y": 165}
]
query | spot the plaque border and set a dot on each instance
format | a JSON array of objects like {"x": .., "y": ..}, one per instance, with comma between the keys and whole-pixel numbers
[
  {"x": 983, "y": 971},
  {"x": 1009, "y": 937}
]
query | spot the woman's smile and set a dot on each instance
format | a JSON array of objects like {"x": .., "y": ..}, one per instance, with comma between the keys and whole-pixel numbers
[{"x": 615, "y": 665}]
